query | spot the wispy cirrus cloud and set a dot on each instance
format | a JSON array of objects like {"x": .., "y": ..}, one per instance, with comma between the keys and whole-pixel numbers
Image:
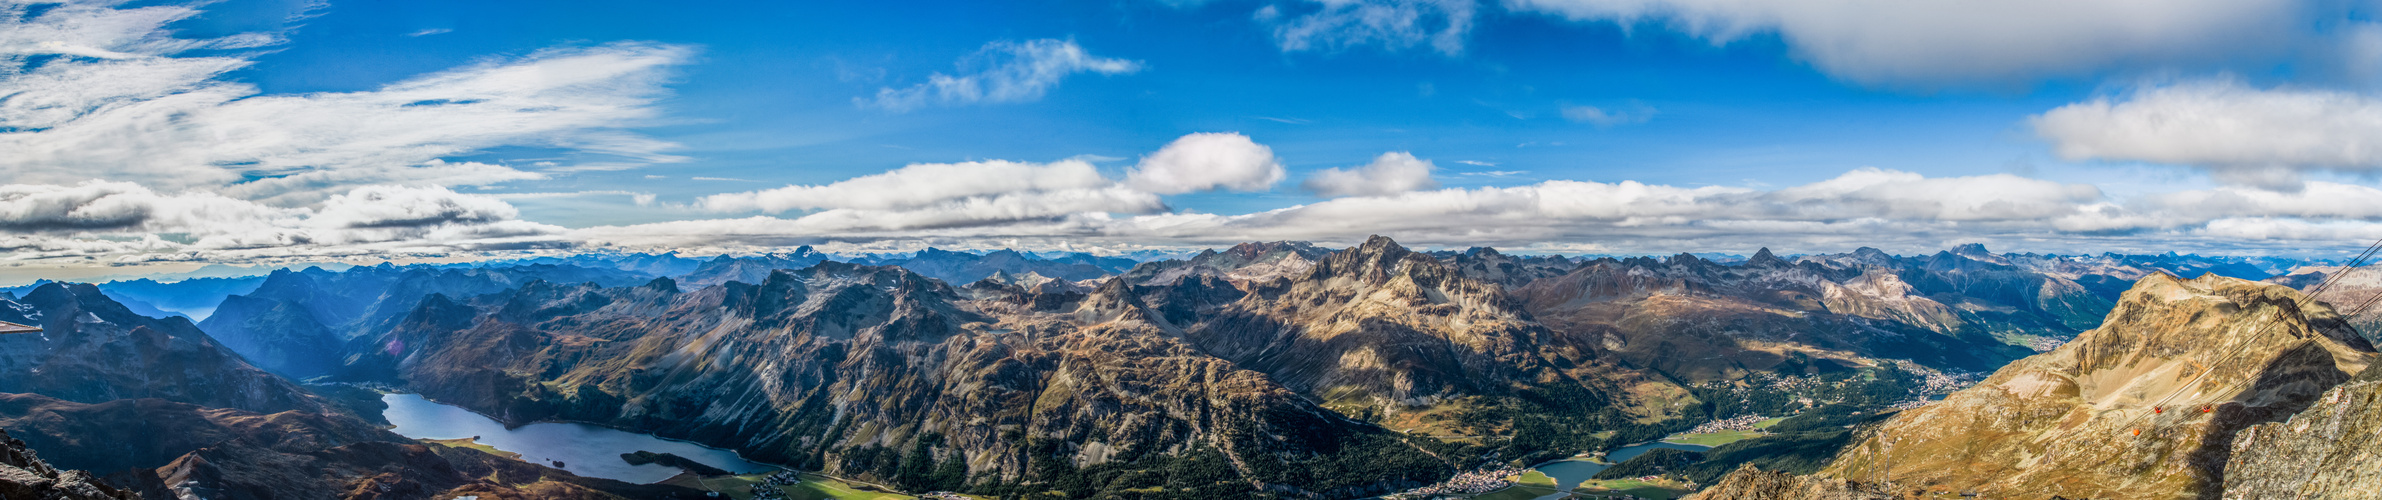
[
  {"x": 146, "y": 114},
  {"x": 1001, "y": 72},
  {"x": 126, "y": 140},
  {"x": 1333, "y": 25}
]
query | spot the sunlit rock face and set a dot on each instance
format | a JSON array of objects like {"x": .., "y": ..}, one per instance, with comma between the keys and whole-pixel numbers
[{"x": 2146, "y": 406}]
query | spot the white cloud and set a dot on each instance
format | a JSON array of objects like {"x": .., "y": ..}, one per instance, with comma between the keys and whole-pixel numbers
[
  {"x": 2239, "y": 134},
  {"x": 1002, "y": 71},
  {"x": 1392, "y": 24},
  {"x": 1606, "y": 117},
  {"x": 1930, "y": 43},
  {"x": 1205, "y": 161},
  {"x": 1390, "y": 173},
  {"x": 1069, "y": 186},
  {"x": 430, "y": 31},
  {"x": 1477, "y": 163}
]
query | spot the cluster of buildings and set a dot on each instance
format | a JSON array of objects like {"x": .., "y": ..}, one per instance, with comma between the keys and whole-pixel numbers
[
  {"x": 770, "y": 487},
  {"x": 1468, "y": 483},
  {"x": 1743, "y": 423},
  {"x": 944, "y": 495}
]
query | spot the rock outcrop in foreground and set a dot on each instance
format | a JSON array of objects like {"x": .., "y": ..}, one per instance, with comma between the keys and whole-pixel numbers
[
  {"x": 2146, "y": 406},
  {"x": 1753, "y": 483},
  {"x": 2331, "y": 450},
  {"x": 24, "y": 476}
]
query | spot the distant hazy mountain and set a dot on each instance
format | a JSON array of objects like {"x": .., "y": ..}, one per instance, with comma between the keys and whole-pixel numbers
[
  {"x": 194, "y": 298},
  {"x": 748, "y": 269},
  {"x": 966, "y": 267},
  {"x": 297, "y": 323}
]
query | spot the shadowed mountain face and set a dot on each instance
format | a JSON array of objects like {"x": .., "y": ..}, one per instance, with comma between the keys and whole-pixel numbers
[
  {"x": 881, "y": 372},
  {"x": 297, "y": 322},
  {"x": 23, "y": 475},
  {"x": 94, "y": 350},
  {"x": 2145, "y": 406}
]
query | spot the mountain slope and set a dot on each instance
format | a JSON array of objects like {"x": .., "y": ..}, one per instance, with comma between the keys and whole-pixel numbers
[{"x": 2145, "y": 406}]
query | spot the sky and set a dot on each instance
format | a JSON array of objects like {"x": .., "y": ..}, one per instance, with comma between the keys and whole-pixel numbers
[{"x": 169, "y": 135}]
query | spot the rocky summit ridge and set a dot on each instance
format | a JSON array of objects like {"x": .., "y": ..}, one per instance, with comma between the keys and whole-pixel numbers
[{"x": 2145, "y": 406}]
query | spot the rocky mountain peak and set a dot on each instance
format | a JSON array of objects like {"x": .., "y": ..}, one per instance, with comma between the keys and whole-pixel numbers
[
  {"x": 1764, "y": 258},
  {"x": 1971, "y": 250},
  {"x": 1378, "y": 260}
]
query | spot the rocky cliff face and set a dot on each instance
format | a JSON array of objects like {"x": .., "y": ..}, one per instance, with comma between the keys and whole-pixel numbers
[
  {"x": 2326, "y": 451},
  {"x": 2146, "y": 406},
  {"x": 24, "y": 476},
  {"x": 879, "y": 372}
]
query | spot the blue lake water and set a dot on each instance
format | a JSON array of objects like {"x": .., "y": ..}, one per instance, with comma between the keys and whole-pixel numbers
[
  {"x": 586, "y": 450},
  {"x": 1569, "y": 474}
]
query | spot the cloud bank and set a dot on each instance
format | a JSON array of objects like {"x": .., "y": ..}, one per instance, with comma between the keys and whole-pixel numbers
[{"x": 2239, "y": 134}]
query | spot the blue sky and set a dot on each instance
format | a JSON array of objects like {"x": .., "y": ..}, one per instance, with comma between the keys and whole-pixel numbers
[{"x": 160, "y": 133}]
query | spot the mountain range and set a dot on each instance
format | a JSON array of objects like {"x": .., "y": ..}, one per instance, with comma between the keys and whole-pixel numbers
[{"x": 1266, "y": 369}]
